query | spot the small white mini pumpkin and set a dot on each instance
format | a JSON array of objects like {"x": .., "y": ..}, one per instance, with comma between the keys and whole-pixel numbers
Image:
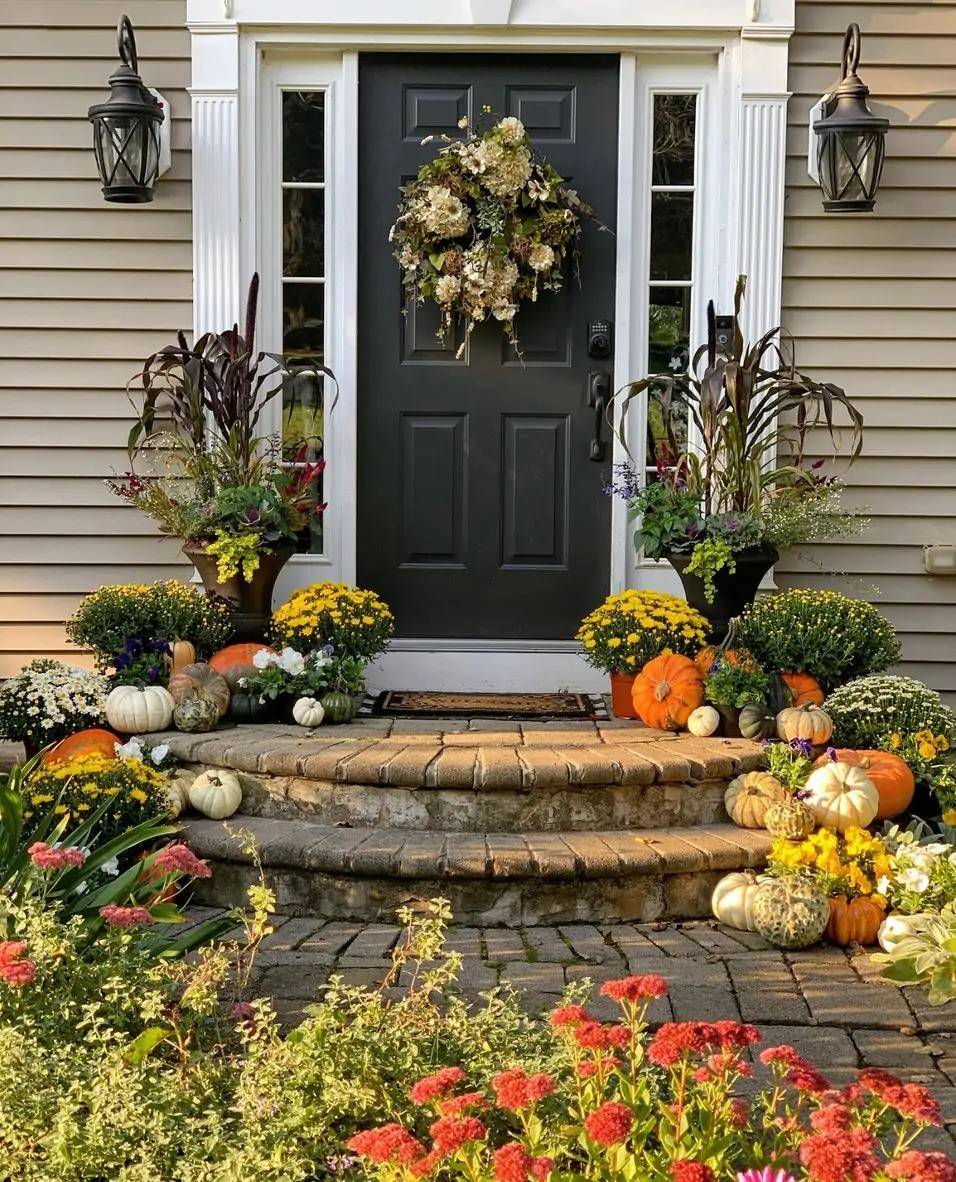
[
  {"x": 308, "y": 712},
  {"x": 216, "y": 794},
  {"x": 842, "y": 795},
  {"x": 703, "y": 721},
  {"x": 138, "y": 710},
  {"x": 733, "y": 899}
]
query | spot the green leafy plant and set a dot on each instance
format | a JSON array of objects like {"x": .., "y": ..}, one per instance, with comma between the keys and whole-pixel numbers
[
  {"x": 823, "y": 633},
  {"x": 735, "y": 686},
  {"x": 789, "y": 763},
  {"x": 290, "y": 674},
  {"x": 927, "y": 956},
  {"x": 709, "y": 558}
]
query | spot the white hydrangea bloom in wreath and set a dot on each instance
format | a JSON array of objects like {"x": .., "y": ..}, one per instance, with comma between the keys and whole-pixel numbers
[{"x": 485, "y": 225}]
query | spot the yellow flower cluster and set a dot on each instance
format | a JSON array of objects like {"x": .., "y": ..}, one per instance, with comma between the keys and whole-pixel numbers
[
  {"x": 80, "y": 786},
  {"x": 356, "y": 622},
  {"x": 852, "y": 863},
  {"x": 632, "y": 627},
  {"x": 925, "y": 743}
]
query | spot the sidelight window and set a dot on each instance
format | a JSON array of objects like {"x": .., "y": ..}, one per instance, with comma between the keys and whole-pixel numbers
[
  {"x": 673, "y": 174},
  {"x": 303, "y": 297}
]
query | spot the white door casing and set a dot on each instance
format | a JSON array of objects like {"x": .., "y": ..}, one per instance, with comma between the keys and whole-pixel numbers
[{"x": 732, "y": 53}]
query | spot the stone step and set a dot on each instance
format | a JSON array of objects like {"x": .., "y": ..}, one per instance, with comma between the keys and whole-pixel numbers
[
  {"x": 509, "y": 781},
  {"x": 335, "y": 872}
]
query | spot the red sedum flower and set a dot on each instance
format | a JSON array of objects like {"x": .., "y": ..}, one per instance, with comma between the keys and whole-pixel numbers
[
  {"x": 569, "y": 1016},
  {"x": 908, "y": 1099},
  {"x": 450, "y": 1133},
  {"x": 923, "y": 1167},
  {"x": 14, "y": 969},
  {"x": 610, "y": 1124},
  {"x": 179, "y": 859},
  {"x": 392, "y": 1142},
  {"x": 434, "y": 1087},
  {"x": 691, "y": 1171},
  {"x": 515, "y": 1090},
  {"x": 126, "y": 917},
  {"x": 843, "y": 1157},
  {"x": 634, "y": 989}
]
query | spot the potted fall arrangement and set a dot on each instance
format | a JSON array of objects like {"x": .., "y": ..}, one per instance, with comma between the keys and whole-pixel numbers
[
  {"x": 221, "y": 487},
  {"x": 727, "y": 501}
]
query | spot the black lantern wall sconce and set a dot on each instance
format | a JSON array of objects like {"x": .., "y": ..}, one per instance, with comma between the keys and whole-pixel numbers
[
  {"x": 850, "y": 139},
  {"x": 130, "y": 130}
]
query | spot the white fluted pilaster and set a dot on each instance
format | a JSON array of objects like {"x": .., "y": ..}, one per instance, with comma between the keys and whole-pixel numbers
[
  {"x": 217, "y": 299},
  {"x": 763, "y": 129}
]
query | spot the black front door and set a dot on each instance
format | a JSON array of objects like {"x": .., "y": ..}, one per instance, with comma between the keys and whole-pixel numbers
[{"x": 481, "y": 510}]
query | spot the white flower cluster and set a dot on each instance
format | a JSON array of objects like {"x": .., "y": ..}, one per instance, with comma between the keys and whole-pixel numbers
[
  {"x": 441, "y": 213},
  {"x": 870, "y": 708},
  {"x": 924, "y": 870},
  {"x": 289, "y": 661},
  {"x": 503, "y": 166},
  {"x": 489, "y": 281},
  {"x": 133, "y": 749},
  {"x": 46, "y": 696}
]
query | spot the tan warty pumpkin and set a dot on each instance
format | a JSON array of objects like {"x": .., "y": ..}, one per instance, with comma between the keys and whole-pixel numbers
[
  {"x": 667, "y": 690},
  {"x": 805, "y": 722},
  {"x": 749, "y": 796}
]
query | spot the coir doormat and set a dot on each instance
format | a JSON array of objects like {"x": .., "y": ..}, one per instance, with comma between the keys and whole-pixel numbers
[{"x": 516, "y": 707}]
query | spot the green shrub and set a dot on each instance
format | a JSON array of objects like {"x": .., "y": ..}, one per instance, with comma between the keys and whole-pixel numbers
[
  {"x": 823, "y": 633},
  {"x": 867, "y": 712}
]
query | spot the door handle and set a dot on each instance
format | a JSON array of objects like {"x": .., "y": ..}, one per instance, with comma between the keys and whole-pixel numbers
[{"x": 599, "y": 395}]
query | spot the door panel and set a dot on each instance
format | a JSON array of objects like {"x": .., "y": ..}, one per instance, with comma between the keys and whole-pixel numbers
[{"x": 480, "y": 513}]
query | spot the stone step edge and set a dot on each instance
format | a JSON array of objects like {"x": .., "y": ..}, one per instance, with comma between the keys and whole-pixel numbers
[
  {"x": 416, "y": 854},
  {"x": 425, "y": 761}
]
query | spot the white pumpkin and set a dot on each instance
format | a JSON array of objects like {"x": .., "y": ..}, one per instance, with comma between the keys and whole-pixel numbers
[
  {"x": 703, "y": 721},
  {"x": 216, "y": 794},
  {"x": 308, "y": 712},
  {"x": 898, "y": 927},
  {"x": 842, "y": 795},
  {"x": 733, "y": 899},
  {"x": 133, "y": 709}
]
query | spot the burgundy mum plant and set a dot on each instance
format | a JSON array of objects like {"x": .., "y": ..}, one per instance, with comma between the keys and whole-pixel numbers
[{"x": 622, "y": 1104}]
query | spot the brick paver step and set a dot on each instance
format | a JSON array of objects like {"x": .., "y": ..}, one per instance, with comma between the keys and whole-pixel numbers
[
  {"x": 517, "y": 780},
  {"x": 363, "y": 873}
]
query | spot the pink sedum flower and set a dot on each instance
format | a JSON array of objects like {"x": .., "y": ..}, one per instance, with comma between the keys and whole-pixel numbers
[
  {"x": 767, "y": 1174},
  {"x": 48, "y": 857},
  {"x": 179, "y": 859},
  {"x": 126, "y": 917},
  {"x": 14, "y": 969}
]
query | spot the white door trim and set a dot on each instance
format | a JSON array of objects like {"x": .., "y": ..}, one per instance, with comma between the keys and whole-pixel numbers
[{"x": 738, "y": 65}]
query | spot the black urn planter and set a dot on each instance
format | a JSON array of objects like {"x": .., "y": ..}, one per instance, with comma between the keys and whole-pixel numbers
[{"x": 732, "y": 592}]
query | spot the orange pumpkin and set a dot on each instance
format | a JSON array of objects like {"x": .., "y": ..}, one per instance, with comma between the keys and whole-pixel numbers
[
  {"x": 667, "y": 690},
  {"x": 854, "y": 921},
  {"x": 805, "y": 689},
  {"x": 710, "y": 653},
  {"x": 235, "y": 661},
  {"x": 892, "y": 776},
  {"x": 95, "y": 740}
]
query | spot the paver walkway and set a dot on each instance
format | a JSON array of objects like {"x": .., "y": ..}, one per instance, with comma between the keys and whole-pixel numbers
[{"x": 826, "y": 1001}]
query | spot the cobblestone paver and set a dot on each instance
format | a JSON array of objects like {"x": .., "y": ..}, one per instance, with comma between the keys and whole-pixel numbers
[{"x": 826, "y": 1001}]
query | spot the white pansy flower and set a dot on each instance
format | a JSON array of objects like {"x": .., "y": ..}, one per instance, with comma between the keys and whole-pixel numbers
[
  {"x": 263, "y": 659},
  {"x": 292, "y": 662},
  {"x": 884, "y": 886},
  {"x": 131, "y": 749},
  {"x": 913, "y": 879},
  {"x": 158, "y": 753}
]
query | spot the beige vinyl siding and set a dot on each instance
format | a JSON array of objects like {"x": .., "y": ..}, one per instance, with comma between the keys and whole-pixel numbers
[
  {"x": 871, "y": 301},
  {"x": 87, "y": 290}
]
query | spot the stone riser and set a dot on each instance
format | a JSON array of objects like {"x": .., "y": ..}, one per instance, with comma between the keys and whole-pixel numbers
[
  {"x": 575, "y": 809},
  {"x": 638, "y": 897}
]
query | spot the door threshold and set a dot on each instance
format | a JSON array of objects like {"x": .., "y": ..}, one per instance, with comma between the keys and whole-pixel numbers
[{"x": 476, "y": 666}]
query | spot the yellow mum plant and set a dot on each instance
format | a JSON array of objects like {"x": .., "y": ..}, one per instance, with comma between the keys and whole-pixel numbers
[
  {"x": 79, "y": 786},
  {"x": 354, "y": 621},
  {"x": 632, "y": 627},
  {"x": 853, "y": 863}
]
